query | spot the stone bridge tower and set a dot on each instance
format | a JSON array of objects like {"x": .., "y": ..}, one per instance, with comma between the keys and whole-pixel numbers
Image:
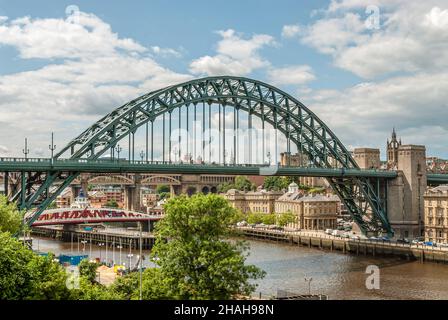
[{"x": 405, "y": 205}]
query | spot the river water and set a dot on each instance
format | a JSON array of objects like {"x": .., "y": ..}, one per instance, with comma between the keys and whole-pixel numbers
[{"x": 334, "y": 274}]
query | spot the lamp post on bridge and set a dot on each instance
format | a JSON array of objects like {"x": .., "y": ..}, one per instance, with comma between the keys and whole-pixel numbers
[
  {"x": 142, "y": 155},
  {"x": 118, "y": 149},
  {"x": 26, "y": 151},
  {"x": 52, "y": 147}
]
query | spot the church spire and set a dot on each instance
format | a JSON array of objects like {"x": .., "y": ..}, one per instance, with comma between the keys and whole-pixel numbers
[{"x": 394, "y": 135}]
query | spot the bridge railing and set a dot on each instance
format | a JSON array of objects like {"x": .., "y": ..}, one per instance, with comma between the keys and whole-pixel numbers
[{"x": 158, "y": 162}]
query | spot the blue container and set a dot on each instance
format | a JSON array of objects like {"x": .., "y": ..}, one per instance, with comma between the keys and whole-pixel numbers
[{"x": 73, "y": 260}]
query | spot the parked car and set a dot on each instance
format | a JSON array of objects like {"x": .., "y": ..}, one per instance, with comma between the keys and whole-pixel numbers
[
  {"x": 403, "y": 241},
  {"x": 337, "y": 233},
  {"x": 329, "y": 231},
  {"x": 289, "y": 229},
  {"x": 430, "y": 244},
  {"x": 385, "y": 239},
  {"x": 355, "y": 237}
]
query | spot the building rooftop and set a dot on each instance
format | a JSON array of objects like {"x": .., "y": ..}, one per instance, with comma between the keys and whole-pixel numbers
[{"x": 438, "y": 189}]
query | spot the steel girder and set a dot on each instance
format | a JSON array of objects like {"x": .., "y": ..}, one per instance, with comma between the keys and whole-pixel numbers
[{"x": 311, "y": 135}]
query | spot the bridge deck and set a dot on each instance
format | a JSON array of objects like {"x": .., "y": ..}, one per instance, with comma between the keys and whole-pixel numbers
[{"x": 124, "y": 166}]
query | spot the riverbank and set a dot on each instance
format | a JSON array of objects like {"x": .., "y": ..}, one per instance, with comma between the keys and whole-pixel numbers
[{"x": 349, "y": 246}]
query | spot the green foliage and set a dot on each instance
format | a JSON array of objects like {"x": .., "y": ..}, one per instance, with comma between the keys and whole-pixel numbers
[
  {"x": 50, "y": 279},
  {"x": 316, "y": 190},
  {"x": 238, "y": 217},
  {"x": 163, "y": 189},
  {"x": 10, "y": 217},
  {"x": 154, "y": 285},
  {"x": 112, "y": 203},
  {"x": 255, "y": 218},
  {"x": 127, "y": 286},
  {"x": 52, "y": 206},
  {"x": 195, "y": 262},
  {"x": 226, "y": 186},
  {"x": 88, "y": 269},
  {"x": 275, "y": 183},
  {"x": 25, "y": 275},
  {"x": 285, "y": 219},
  {"x": 244, "y": 184},
  {"x": 241, "y": 183},
  {"x": 94, "y": 291},
  {"x": 269, "y": 219}
]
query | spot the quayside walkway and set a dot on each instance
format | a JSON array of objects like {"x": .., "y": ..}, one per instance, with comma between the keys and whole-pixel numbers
[{"x": 348, "y": 246}]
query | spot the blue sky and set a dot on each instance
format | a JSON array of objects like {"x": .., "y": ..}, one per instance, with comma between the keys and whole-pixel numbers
[{"x": 360, "y": 80}]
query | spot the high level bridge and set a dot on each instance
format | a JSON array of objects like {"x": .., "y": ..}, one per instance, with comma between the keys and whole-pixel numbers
[{"x": 225, "y": 125}]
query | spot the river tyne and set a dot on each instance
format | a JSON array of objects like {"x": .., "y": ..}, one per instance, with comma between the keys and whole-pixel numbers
[{"x": 337, "y": 275}]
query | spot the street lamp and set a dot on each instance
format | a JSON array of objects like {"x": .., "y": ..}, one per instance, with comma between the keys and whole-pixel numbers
[
  {"x": 120, "y": 247},
  {"x": 142, "y": 155},
  {"x": 141, "y": 260},
  {"x": 83, "y": 245},
  {"x": 101, "y": 246},
  {"x": 130, "y": 260},
  {"x": 26, "y": 151},
  {"x": 309, "y": 284},
  {"x": 52, "y": 147},
  {"x": 118, "y": 149}
]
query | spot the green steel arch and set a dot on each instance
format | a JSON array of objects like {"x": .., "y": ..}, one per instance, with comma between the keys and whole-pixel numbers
[{"x": 285, "y": 113}]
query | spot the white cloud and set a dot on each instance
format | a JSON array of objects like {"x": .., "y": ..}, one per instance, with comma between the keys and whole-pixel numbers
[
  {"x": 3, "y": 150},
  {"x": 290, "y": 31},
  {"x": 165, "y": 52},
  {"x": 291, "y": 75},
  {"x": 363, "y": 115},
  {"x": 58, "y": 38},
  {"x": 99, "y": 71},
  {"x": 333, "y": 35},
  {"x": 235, "y": 55},
  {"x": 413, "y": 37}
]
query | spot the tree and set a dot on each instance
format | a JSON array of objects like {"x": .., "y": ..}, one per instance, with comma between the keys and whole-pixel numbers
[
  {"x": 25, "y": 275},
  {"x": 284, "y": 219},
  {"x": 163, "y": 189},
  {"x": 226, "y": 186},
  {"x": 316, "y": 190},
  {"x": 52, "y": 205},
  {"x": 276, "y": 183},
  {"x": 87, "y": 269},
  {"x": 242, "y": 183},
  {"x": 255, "y": 218},
  {"x": 127, "y": 286},
  {"x": 50, "y": 279},
  {"x": 94, "y": 291},
  {"x": 10, "y": 217},
  {"x": 269, "y": 219},
  {"x": 195, "y": 259},
  {"x": 112, "y": 203}
]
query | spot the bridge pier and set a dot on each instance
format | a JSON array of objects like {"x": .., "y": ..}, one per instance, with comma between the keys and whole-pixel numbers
[{"x": 132, "y": 195}]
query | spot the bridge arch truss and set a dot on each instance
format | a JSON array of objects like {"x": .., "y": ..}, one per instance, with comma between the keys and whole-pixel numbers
[{"x": 298, "y": 124}]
